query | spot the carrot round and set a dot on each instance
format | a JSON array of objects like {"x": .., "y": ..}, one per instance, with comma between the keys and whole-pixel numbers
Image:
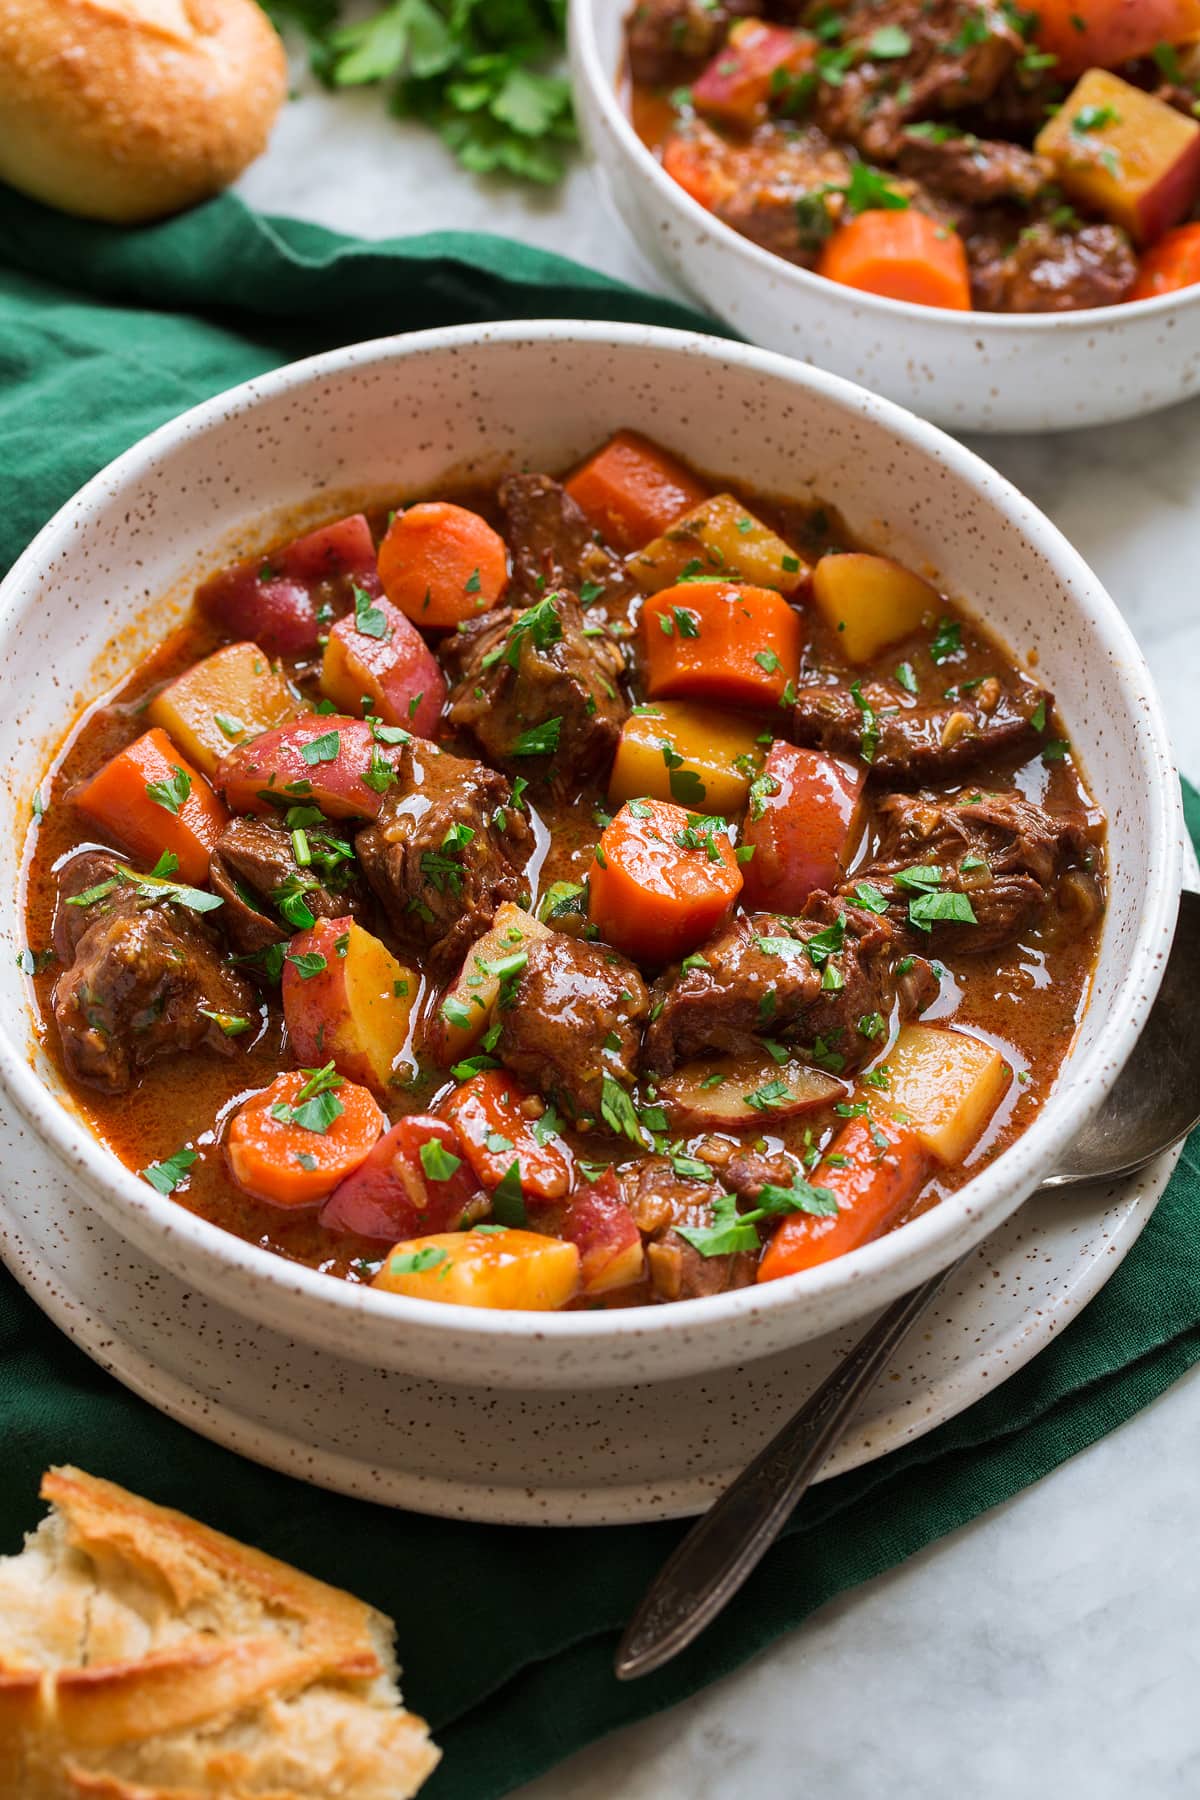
[
  {"x": 662, "y": 880},
  {"x": 688, "y": 160},
  {"x": 1173, "y": 263},
  {"x": 875, "y": 1168},
  {"x": 152, "y": 800},
  {"x": 720, "y": 640},
  {"x": 441, "y": 563},
  {"x": 496, "y": 1132},
  {"x": 631, "y": 490},
  {"x": 902, "y": 256},
  {"x": 292, "y": 1163}
]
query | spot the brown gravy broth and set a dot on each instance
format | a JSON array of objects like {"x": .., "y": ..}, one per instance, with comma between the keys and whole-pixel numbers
[{"x": 1027, "y": 999}]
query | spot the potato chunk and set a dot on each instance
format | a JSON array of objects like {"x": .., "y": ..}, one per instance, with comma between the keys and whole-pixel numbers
[
  {"x": 225, "y": 700},
  {"x": 345, "y": 996},
  {"x": 871, "y": 602},
  {"x": 712, "y": 756},
  {"x": 947, "y": 1086},
  {"x": 513, "y": 1271},
  {"x": 469, "y": 1004},
  {"x": 1124, "y": 154},
  {"x": 719, "y": 538}
]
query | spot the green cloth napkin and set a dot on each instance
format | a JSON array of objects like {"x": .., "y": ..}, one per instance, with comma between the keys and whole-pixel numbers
[{"x": 506, "y": 1634}]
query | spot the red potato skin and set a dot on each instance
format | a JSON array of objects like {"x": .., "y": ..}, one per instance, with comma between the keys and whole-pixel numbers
[
  {"x": 318, "y": 1011},
  {"x": 390, "y": 1196},
  {"x": 600, "y": 1225},
  {"x": 737, "y": 85},
  {"x": 281, "y": 612},
  {"x": 273, "y": 763},
  {"x": 1172, "y": 199},
  {"x": 395, "y": 670},
  {"x": 806, "y": 829}
]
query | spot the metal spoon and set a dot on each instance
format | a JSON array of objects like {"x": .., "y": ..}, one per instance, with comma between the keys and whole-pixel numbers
[{"x": 1154, "y": 1102}]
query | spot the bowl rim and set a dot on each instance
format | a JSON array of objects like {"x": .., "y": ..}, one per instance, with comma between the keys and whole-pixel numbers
[
  {"x": 691, "y": 215},
  {"x": 979, "y": 1205}
]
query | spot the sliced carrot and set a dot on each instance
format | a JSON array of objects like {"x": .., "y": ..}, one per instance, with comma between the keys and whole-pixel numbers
[
  {"x": 1173, "y": 263},
  {"x": 662, "y": 880},
  {"x": 497, "y": 1135},
  {"x": 292, "y": 1143},
  {"x": 688, "y": 158},
  {"x": 875, "y": 1168},
  {"x": 901, "y": 255},
  {"x": 1088, "y": 34},
  {"x": 720, "y": 640},
  {"x": 152, "y": 800},
  {"x": 441, "y": 564},
  {"x": 631, "y": 490}
]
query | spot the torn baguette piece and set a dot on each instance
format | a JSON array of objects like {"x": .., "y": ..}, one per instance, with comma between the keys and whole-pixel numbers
[{"x": 144, "y": 1656}]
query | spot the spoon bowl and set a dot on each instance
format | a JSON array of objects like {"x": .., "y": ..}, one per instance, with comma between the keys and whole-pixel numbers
[{"x": 1154, "y": 1102}]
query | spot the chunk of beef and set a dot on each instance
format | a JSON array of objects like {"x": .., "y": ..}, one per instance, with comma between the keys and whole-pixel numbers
[
  {"x": 553, "y": 546},
  {"x": 975, "y": 171},
  {"x": 669, "y": 41},
  {"x": 764, "y": 976},
  {"x": 254, "y": 866},
  {"x": 447, "y": 848},
  {"x": 914, "y": 745},
  {"x": 1039, "y": 268},
  {"x": 145, "y": 977},
  {"x": 1001, "y": 850},
  {"x": 660, "y": 1201},
  {"x": 517, "y": 671},
  {"x": 747, "y": 1172},
  {"x": 1018, "y": 106},
  {"x": 959, "y": 52},
  {"x": 775, "y": 188},
  {"x": 573, "y": 1016}
]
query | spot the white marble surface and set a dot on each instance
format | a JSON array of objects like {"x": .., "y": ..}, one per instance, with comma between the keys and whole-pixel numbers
[{"x": 1050, "y": 1647}]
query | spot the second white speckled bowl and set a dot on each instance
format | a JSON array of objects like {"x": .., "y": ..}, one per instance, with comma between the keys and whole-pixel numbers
[
  {"x": 398, "y": 415},
  {"x": 971, "y": 371}
]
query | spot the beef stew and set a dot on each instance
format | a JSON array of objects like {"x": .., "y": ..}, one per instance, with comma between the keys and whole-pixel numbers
[{"x": 702, "y": 896}]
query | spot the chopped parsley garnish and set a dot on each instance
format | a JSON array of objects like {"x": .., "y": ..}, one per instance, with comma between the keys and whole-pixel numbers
[
  {"x": 415, "y": 1262},
  {"x": 508, "y": 1197},
  {"x": 869, "y": 741},
  {"x": 539, "y": 740},
  {"x": 308, "y": 963},
  {"x": 171, "y": 793},
  {"x": 947, "y": 640},
  {"x": 869, "y": 897},
  {"x": 369, "y": 620},
  {"x": 323, "y": 749},
  {"x": 906, "y": 676},
  {"x": 617, "y": 1111},
  {"x": 167, "y": 1175},
  {"x": 438, "y": 1162},
  {"x": 932, "y": 909},
  {"x": 888, "y": 42}
]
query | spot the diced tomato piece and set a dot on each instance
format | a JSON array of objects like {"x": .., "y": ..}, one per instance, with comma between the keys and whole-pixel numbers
[{"x": 600, "y": 1224}]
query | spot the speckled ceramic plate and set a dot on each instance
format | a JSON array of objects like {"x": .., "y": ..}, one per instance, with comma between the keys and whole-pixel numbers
[{"x": 598, "y": 1457}]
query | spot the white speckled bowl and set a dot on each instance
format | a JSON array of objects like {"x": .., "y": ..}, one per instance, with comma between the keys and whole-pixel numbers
[
  {"x": 398, "y": 415},
  {"x": 968, "y": 371}
]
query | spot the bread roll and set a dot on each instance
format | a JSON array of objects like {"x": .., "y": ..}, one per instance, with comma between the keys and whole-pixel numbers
[
  {"x": 128, "y": 109},
  {"x": 146, "y": 1657}
]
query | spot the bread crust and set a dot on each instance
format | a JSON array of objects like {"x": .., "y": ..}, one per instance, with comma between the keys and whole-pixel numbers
[
  {"x": 126, "y": 110},
  {"x": 144, "y": 1656}
]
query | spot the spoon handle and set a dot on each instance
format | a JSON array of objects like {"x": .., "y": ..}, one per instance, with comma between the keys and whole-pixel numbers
[{"x": 726, "y": 1544}]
